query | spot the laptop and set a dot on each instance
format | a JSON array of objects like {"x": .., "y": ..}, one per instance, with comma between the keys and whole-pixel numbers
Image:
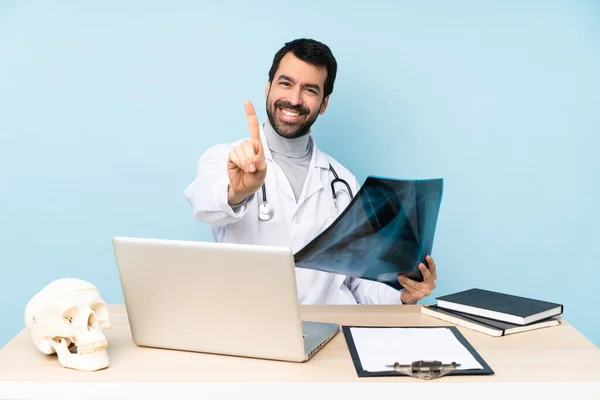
[{"x": 219, "y": 298}]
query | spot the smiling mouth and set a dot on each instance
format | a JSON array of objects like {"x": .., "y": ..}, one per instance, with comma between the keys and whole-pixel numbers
[{"x": 289, "y": 116}]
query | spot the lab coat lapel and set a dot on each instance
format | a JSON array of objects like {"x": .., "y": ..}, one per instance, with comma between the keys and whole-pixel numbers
[
  {"x": 313, "y": 182},
  {"x": 283, "y": 184}
]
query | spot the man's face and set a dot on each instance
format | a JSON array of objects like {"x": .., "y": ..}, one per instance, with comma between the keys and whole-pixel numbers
[{"x": 295, "y": 97}]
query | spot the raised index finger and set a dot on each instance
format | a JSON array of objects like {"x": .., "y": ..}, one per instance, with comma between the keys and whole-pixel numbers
[{"x": 252, "y": 123}]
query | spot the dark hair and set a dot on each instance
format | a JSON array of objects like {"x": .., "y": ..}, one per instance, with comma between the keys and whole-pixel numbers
[{"x": 312, "y": 52}]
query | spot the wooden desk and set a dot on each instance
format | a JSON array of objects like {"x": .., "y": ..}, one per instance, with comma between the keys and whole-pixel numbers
[{"x": 557, "y": 358}]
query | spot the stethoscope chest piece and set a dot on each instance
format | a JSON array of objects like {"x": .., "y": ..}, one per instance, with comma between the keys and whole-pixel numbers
[{"x": 265, "y": 211}]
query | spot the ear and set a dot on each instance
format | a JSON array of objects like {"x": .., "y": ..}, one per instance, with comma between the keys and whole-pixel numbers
[
  {"x": 267, "y": 88},
  {"x": 324, "y": 105}
]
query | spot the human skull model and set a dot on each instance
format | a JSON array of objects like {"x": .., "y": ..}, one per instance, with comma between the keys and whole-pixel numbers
[{"x": 67, "y": 317}]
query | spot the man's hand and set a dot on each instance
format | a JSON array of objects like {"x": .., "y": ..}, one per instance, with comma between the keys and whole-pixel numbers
[
  {"x": 415, "y": 291},
  {"x": 246, "y": 164}
]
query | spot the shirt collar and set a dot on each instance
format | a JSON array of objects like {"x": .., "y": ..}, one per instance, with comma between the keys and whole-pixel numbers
[{"x": 320, "y": 159}]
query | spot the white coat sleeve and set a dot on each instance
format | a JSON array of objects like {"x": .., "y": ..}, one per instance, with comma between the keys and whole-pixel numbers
[
  {"x": 370, "y": 292},
  {"x": 207, "y": 194}
]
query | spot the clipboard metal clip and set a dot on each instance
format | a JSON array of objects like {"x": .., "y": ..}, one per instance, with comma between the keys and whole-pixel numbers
[{"x": 425, "y": 369}]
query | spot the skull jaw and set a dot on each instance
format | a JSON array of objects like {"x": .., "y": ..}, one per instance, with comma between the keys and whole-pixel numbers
[{"x": 94, "y": 361}]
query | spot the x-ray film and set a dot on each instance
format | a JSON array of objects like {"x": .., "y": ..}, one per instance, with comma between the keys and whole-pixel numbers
[{"x": 386, "y": 230}]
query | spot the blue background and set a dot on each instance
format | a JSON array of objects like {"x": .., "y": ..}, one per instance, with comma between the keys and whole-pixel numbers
[{"x": 106, "y": 107}]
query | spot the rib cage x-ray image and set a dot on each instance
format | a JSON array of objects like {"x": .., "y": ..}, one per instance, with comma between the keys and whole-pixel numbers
[{"x": 386, "y": 230}]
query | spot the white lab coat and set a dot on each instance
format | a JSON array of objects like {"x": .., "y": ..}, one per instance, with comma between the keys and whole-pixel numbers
[{"x": 293, "y": 225}]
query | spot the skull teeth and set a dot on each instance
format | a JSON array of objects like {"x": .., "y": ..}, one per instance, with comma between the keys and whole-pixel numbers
[{"x": 92, "y": 347}]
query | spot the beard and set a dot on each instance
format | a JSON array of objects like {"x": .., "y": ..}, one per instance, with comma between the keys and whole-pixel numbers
[{"x": 286, "y": 129}]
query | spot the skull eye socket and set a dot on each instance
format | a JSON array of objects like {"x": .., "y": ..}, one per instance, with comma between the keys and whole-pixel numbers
[
  {"x": 95, "y": 315},
  {"x": 92, "y": 321}
]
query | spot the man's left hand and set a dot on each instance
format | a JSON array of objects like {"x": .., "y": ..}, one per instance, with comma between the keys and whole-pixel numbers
[{"x": 415, "y": 291}]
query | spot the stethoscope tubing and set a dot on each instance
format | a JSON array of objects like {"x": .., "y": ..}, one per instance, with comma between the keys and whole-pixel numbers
[{"x": 266, "y": 210}]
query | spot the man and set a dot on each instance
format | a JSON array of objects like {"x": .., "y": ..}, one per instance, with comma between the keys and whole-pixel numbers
[{"x": 281, "y": 167}]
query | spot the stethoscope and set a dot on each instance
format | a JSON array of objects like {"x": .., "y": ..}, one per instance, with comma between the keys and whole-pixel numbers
[{"x": 266, "y": 210}]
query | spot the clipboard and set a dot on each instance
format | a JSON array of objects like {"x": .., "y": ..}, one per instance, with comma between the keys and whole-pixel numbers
[{"x": 363, "y": 374}]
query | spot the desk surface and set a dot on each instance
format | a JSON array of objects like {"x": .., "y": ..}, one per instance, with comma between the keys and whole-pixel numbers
[{"x": 556, "y": 354}]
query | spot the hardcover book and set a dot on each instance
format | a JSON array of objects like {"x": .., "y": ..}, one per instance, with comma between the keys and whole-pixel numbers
[
  {"x": 500, "y": 306},
  {"x": 485, "y": 325}
]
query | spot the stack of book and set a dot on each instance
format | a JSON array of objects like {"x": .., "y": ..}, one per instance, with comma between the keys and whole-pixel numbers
[{"x": 493, "y": 313}]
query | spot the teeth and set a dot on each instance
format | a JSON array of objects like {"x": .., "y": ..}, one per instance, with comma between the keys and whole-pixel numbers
[
  {"x": 288, "y": 113},
  {"x": 93, "y": 347}
]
